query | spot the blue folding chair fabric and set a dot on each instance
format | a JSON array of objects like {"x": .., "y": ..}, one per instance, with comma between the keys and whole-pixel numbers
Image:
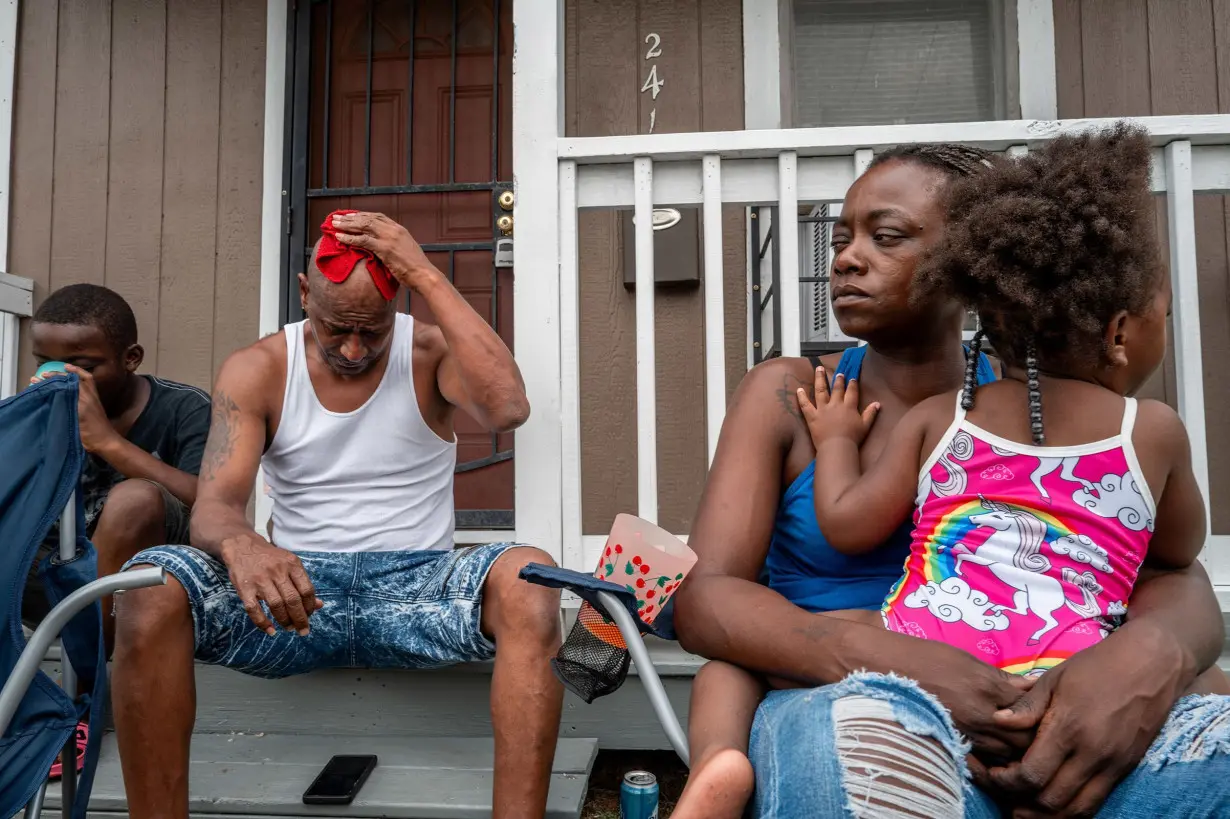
[
  {"x": 40, "y": 447},
  {"x": 586, "y": 586}
]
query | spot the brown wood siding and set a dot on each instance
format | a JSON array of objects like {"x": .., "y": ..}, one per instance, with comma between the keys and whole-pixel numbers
[
  {"x": 701, "y": 64},
  {"x": 138, "y": 142},
  {"x": 1158, "y": 57}
]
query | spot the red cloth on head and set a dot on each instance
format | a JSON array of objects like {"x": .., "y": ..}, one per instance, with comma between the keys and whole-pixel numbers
[{"x": 337, "y": 260}]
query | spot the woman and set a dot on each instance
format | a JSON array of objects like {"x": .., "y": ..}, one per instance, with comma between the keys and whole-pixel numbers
[{"x": 874, "y": 745}]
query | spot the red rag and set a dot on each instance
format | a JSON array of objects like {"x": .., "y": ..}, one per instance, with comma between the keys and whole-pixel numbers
[{"x": 337, "y": 260}]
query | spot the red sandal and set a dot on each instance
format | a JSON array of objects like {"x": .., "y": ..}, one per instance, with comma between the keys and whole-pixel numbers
[{"x": 83, "y": 738}]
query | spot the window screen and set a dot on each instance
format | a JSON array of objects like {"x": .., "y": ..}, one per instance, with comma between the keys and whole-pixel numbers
[{"x": 884, "y": 62}]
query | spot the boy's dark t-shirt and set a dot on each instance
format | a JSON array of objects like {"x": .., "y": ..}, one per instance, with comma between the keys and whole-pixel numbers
[{"x": 172, "y": 427}]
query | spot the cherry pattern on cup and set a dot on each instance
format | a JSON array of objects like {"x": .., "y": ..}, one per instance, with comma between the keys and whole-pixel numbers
[{"x": 651, "y": 591}]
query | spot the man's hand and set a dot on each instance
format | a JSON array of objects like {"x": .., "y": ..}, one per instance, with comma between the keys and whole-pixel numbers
[
  {"x": 261, "y": 571},
  {"x": 1089, "y": 734},
  {"x": 835, "y": 413},
  {"x": 390, "y": 242}
]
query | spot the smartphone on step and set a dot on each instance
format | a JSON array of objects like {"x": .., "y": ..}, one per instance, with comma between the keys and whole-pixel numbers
[{"x": 340, "y": 781}]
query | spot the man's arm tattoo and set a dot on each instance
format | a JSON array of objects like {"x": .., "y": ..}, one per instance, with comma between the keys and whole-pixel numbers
[
  {"x": 788, "y": 397},
  {"x": 223, "y": 421}
]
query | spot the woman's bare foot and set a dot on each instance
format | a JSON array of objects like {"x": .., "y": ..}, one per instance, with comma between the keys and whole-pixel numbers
[{"x": 719, "y": 788}]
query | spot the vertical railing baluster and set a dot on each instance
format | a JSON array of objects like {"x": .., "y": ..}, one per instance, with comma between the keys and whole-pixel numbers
[
  {"x": 786, "y": 235},
  {"x": 715, "y": 310},
  {"x": 1181, "y": 213},
  {"x": 570, "y": 366},
  {"x": 646, "y": 352}
]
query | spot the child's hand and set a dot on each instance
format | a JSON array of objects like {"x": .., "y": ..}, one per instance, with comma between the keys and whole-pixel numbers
[{"x": 835, "y": 413}]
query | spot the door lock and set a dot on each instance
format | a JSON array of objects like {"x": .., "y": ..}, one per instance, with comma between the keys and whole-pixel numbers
[
  {"x": 505, "y": 225},
  {"x": 506, "y": 200}
]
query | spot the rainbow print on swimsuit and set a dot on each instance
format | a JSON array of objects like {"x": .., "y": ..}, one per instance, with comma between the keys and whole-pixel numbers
[{"x": 1023, "y": 555}]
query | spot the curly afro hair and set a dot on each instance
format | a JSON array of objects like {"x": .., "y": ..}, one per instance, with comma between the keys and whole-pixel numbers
[{"x": 1049, "y": 246}]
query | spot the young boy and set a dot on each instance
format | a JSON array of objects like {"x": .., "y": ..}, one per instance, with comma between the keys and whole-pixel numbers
[{"x": 144, "y": 435}]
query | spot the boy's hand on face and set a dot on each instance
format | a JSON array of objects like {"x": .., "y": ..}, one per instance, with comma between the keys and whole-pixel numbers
[{"x": 96, "y": 430}]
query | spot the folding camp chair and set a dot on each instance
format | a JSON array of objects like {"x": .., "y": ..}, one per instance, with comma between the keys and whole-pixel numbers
[
  {"x": 42, "y": 451},
  {"x": 618, "y": 605}
]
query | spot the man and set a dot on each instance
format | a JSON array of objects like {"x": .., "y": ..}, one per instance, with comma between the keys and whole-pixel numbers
[
  {"x": 144, "y": 435},
  {"x": 350, "y": 413}
]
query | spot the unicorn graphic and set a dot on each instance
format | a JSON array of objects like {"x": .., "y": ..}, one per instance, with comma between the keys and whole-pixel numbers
[{"x": 1013, "y": 553}]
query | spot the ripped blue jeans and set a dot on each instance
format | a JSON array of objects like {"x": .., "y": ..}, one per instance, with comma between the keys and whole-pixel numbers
[{"x": 846, "y": 750}]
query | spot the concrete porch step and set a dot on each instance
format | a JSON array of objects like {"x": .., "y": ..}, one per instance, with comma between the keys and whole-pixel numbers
[
  {"x": 265, "y": 775},
  {"x": 452, "y": 702}
]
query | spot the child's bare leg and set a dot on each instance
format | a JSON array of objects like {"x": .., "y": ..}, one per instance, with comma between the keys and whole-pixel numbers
[{"x": 724, "y": 700}]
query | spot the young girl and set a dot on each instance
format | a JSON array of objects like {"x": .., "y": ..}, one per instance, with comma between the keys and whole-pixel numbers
[{"x": 1037, "y": 504}]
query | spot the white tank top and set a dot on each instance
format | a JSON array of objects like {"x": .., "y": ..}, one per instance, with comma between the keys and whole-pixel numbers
[{"x": 374, "y": 480}]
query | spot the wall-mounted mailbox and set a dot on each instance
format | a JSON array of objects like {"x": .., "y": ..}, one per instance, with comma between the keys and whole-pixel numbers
[{"x": 677, "y": 255}]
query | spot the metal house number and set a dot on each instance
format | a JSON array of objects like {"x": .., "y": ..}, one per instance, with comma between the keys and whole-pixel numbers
[{"x": 653, "y": 84}]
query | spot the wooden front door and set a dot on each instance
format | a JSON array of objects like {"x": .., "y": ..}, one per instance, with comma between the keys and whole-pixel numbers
[{"x": 405, "y": 107}]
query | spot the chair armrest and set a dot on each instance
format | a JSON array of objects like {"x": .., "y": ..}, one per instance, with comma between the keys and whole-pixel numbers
[
  {"x": 48, "y": 630},
  {"x": 591, "y": 589}
]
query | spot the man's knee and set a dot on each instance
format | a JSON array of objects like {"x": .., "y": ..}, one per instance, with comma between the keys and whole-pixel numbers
[
  {"x": 888, "y": 770},
  {"x": 146, "y": 618},
  {"x": 509, "y": 601},
  {"x": 134, "y": 506}
]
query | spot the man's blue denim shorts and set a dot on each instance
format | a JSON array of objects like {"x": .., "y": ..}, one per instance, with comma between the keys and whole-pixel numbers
[{"x": 407, "y": 609}]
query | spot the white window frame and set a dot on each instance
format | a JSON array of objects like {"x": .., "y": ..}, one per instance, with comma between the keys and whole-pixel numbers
[{"x": 766, "y": 62}]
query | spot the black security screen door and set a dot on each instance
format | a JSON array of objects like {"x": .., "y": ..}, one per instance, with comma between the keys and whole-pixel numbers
[{"x": 405, "y": 107}]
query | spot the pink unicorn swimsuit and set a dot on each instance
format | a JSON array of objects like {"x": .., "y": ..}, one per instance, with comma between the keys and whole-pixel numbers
[{"x": 1023, "y": 555}]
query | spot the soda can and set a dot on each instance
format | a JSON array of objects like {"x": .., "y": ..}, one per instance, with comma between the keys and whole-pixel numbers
[{"x": 638, "y": 796}]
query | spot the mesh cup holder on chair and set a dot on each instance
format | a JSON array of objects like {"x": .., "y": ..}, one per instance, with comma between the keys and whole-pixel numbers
[{"x": 594, "y": 660}]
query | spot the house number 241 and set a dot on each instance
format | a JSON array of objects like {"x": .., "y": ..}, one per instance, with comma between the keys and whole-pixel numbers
[{"x": 653, "y": 84}]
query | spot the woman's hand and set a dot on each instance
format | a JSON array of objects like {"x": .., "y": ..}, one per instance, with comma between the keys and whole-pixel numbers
[
  {"x": 1090, "y": 734},
  {"x": 835, "y": 413},
  {"x": 973, "y": 692}
]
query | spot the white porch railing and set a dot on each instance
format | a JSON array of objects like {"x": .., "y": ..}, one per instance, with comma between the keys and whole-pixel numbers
[
  {"x": 812, "y": 166},
  {"x": 16, "y": 302}
]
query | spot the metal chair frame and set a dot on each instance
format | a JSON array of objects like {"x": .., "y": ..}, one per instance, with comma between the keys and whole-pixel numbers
[{"x": 18, "y": 683}]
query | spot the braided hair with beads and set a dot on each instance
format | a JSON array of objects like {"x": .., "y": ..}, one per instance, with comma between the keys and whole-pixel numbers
[
  {"x": 1048, "y": 248},
  {"x": 947, "y": 157}
]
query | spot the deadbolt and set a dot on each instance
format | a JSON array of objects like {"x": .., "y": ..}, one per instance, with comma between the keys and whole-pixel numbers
[
  {"x": 506, "y": 200},
  {"x": 505, "y": 225}
]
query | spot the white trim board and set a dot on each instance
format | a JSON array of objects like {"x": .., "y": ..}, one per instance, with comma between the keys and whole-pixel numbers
[
  {"x": 9, "y": 339},
  {"x": 537, "y": 127},
  {"x": 762, "y": 69},
  {"x": 8, "y": 68},
  {"x": 273, "y": 198},
  {"x": 16, "y": 294},
  {"x": 1035, "y": 48},
  {"x": 819, "y": 179},
  {"x": 995, "y": 135}
]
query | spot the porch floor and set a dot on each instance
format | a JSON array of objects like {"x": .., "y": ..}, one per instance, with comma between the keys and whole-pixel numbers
[{"x": 265, "y": 775}]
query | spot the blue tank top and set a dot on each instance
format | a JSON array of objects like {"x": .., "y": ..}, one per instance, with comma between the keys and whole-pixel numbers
[{"x": 804, "y": 569}]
